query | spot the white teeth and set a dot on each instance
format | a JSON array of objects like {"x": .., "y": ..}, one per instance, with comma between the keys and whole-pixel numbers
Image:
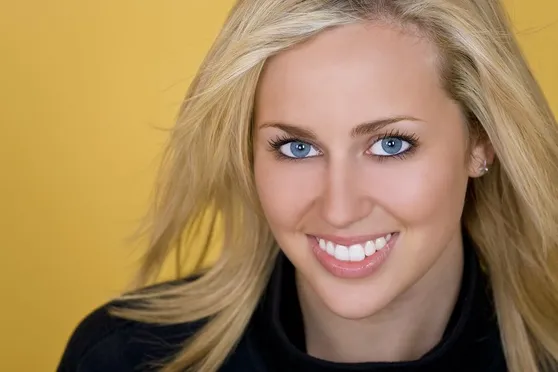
[
  {"x": 330, "y": 248},
  {"x": 380, "y": 243},
  {"x": 369, "y": 248},
  {"x": 342, "y": 253},
  {"x": 356, "y": 252}
]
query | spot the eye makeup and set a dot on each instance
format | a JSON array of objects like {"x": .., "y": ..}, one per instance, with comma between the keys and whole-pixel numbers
[{"x": 275, "y": 145}]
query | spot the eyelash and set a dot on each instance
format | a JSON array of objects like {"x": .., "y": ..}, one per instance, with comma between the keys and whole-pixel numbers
[
  {"x": 276, "y": 143},
  {"x": 410, "y": 138}
]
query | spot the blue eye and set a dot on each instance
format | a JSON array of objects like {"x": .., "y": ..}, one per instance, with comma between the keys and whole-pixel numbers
[
  {"x": 298, "y": 149},
  {"x": 389, "y": 146}
]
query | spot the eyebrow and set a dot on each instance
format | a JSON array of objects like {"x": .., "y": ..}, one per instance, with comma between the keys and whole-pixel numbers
[{"x": 362, "y": 129}]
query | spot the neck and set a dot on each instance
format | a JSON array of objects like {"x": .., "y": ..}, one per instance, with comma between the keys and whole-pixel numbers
[{"x": 407, "y": 329}]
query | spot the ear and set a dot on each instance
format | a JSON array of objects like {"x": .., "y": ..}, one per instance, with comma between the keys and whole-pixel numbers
[{"x": 482, "y": 153}]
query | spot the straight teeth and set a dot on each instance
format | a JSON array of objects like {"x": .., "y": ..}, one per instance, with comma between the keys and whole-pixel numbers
[{"x": 355, "y": 252}]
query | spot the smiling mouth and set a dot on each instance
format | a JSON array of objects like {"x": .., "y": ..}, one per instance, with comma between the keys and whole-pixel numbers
[{"x": 347, "y": 250}]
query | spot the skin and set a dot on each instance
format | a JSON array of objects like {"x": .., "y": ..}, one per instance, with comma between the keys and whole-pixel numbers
[{"x": 329, "y": 85}]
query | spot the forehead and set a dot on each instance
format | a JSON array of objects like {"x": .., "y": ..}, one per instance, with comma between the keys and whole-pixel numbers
[{"x": 352, "y": 72}]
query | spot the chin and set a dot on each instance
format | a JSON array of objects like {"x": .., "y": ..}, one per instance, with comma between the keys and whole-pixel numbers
[{"x": 352, "y": 300}]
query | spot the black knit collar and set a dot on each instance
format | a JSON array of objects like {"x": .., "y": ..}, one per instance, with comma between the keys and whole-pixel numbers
[{"x": 471, "y": 341}]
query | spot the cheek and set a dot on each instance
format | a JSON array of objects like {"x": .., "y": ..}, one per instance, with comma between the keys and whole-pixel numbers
[
  {"x": 285, "y": 189},
  {"x": 427, "y": 193}
]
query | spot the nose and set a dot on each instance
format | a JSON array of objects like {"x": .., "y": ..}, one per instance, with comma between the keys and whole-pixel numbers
[{"x": 344, "y": 200}]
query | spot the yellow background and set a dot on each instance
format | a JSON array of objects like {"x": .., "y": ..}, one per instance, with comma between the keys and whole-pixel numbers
[{"x": 83, "y": 85}]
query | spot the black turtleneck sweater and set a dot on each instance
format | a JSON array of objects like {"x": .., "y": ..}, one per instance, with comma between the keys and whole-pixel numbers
[{"x": 274, "y": 339}]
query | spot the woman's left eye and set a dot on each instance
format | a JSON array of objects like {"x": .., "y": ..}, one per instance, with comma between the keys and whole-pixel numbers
[
  {"x": 298, "y": 150},
  {"x": 389, "y": 146}
]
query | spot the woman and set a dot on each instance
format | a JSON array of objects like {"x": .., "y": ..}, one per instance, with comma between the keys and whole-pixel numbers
[{"x": 386, "y": 174}]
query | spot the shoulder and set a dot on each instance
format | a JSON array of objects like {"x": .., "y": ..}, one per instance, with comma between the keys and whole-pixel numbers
[{"x": 104, "y": 342}]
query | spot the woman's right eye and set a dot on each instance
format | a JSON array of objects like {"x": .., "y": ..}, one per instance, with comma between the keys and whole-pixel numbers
[{"x": 298, "y": 150}]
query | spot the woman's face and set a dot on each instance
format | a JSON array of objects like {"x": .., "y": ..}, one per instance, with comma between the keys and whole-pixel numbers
[{"x": 361, "y": 165}]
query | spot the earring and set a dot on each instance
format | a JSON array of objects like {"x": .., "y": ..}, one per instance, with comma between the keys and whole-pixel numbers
[{"x": 484, "y": 168}]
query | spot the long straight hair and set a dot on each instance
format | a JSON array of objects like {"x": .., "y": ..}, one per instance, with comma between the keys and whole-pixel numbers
[{"x": 511, "y": 213}]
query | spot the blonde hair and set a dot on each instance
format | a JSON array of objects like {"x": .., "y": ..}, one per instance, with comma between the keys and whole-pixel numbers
[{"x": 510, "y": 213}]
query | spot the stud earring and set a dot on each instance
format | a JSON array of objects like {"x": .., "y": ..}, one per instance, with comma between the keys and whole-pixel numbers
[{"x": 484, "y": 168}]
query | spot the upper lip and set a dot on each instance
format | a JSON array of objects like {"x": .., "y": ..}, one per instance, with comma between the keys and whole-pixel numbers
[{"x": 350, "y": 240}]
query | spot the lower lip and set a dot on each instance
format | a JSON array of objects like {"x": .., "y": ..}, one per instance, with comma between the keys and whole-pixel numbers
[{"x": 350, "y": 269}]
